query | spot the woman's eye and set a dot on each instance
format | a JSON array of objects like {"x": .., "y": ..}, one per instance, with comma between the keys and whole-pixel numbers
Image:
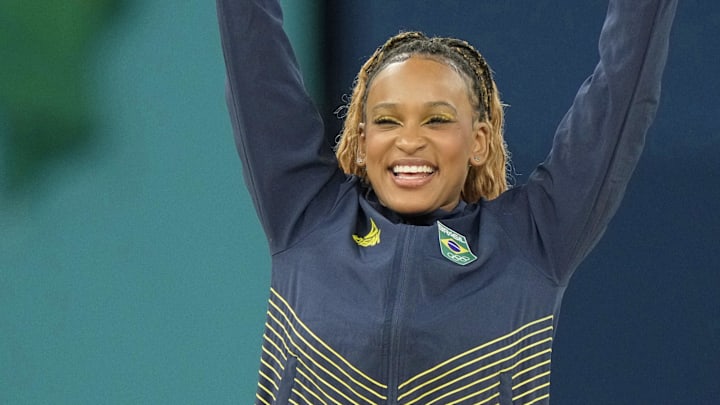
[
  {"x": 385, "y": 121},
  {"x": 439, "y": 119}
]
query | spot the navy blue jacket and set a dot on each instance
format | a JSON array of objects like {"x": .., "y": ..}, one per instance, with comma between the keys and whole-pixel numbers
[{"x": 364, "y": 307}]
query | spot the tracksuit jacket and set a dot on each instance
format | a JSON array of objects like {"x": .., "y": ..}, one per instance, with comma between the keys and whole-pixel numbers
[{"x": 460, "y": 307}]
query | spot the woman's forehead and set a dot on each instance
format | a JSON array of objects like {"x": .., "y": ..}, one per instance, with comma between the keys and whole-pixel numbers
[{"x": 425, "y": 79}]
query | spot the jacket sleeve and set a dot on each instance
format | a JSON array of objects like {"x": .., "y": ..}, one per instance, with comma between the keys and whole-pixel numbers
[
  {"x": 288, "y": 164},
  {"x": 573, "y": 194}
]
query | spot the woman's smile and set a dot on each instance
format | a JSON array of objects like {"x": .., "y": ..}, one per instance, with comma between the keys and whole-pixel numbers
[{"x": 412, "y": 173}]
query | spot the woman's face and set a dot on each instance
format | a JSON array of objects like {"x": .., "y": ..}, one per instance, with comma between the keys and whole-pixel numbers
[{"x": 419, "y": 136}]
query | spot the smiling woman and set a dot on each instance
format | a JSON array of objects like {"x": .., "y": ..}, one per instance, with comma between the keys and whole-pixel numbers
[
  {"x": 420, "y": 137},
  {"x": 441, "y": 286}
]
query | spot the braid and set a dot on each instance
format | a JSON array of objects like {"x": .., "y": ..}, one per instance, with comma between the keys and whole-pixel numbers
[
  {"x": 479, "y": 66},
  {"x": 490, "y": 180},
  {"x": 347, "y": 148},
  {"x": 486, "y": 181}
]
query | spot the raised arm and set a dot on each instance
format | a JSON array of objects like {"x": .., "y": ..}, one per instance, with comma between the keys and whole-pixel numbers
[
  {"x": 288, "y": 164},
  {"x": 575, "y": 192}
]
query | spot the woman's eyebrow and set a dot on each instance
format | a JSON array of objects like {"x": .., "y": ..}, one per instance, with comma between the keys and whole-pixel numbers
[
  {"x": 430, "y": 104},
  {"x": 384, "y": 106}
]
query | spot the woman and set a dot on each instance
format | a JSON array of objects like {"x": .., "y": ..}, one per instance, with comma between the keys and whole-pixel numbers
[{"x": 409, "y": 274}]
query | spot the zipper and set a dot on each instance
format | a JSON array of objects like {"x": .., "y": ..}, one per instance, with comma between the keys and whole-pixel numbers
[{"x": 395, "y": 313}]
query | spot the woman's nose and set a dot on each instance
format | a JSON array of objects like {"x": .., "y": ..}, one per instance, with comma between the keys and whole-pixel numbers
[{"x": 410, "y": 140}]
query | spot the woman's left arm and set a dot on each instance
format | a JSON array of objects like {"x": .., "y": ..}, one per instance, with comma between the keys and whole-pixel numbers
[{"x": 574, "y": 193}]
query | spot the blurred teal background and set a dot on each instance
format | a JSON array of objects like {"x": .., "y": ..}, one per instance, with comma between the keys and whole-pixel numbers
[{"x": 132, "y": 266}]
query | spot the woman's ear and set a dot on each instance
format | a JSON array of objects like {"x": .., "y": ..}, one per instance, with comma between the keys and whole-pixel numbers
[
  {"x": 360, "y": 152},
  {"x": 480, "y": 148}
]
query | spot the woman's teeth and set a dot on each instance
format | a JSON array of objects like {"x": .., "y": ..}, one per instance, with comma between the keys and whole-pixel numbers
[{"x": 413, "y": 170}]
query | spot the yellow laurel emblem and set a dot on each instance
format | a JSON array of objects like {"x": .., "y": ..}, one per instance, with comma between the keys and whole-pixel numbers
[{"x": 371, "y": 239}]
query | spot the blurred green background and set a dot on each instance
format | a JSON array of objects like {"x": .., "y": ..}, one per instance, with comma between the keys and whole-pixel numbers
[{"x": 132, "y": 265}]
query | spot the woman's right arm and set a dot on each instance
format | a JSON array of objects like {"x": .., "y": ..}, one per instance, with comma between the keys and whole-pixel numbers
[{"x": 288, "y": 164}]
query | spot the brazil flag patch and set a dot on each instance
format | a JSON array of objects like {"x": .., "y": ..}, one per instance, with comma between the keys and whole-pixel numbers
[{"x": 454, "y": 246}]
